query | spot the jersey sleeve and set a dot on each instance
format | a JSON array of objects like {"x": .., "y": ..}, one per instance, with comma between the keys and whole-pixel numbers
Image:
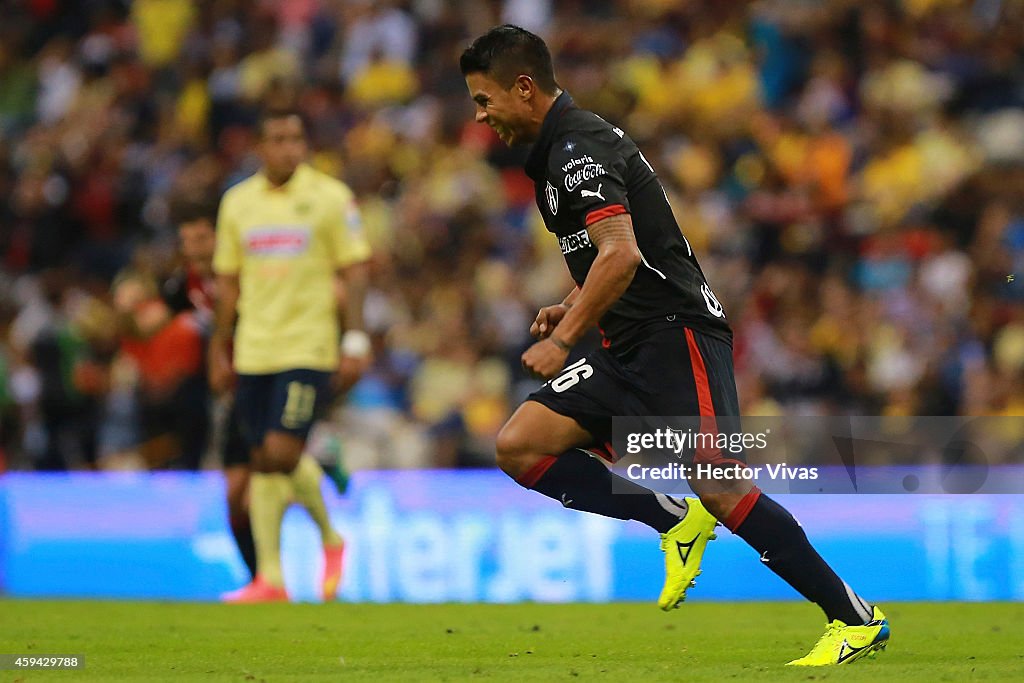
[
  {"x": 174, "y": 292},
  {"x": 227, "y": 255},
  {"x": 589, "y": 174},
  {"x": 349, "y": 240}
]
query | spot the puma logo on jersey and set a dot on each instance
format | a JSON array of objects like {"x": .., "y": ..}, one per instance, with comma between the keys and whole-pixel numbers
[{"x": 595, "y": 193}]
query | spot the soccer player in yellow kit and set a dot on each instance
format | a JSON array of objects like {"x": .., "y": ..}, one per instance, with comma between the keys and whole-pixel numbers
[{"x": 290, "y": 261}]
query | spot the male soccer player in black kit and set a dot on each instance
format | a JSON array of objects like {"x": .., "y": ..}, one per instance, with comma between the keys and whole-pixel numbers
[
  {"x": 667, "y": 347},
  {"x": 192, "y": 288}
]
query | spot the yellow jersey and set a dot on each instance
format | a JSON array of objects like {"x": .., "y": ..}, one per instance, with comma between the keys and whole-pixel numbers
[{"x": 286, "y": 244}]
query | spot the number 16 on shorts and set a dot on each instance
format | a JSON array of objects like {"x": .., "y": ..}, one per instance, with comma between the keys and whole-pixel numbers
[{"x": 572, "y": 375}]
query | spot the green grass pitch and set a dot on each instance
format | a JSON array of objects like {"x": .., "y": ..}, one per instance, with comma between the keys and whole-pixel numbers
[{"x": 124, "y": 641}]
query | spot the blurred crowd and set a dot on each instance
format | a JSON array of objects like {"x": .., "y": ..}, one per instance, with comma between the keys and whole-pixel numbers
[{"x": 850, "y": 173}]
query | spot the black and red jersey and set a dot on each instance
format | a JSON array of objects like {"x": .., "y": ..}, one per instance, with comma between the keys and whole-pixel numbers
[
  {"x": 187, "y": 290},
  {"x": 585, "y": 169}
]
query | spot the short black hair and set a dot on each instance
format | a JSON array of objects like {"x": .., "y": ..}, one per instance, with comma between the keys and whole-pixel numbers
[
  {"x": 273, "y": 113},
  {"x": 505, "y": 52},
  {"x": 189, "y": 209}
]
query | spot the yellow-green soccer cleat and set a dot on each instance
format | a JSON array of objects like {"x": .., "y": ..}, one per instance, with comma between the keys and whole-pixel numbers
[
  {"x": 843, "y": 644},
  {"x": 683, "y": 546}
]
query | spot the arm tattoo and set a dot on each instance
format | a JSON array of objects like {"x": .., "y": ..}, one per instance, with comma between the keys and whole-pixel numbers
[{"x": 611, "y": 230}]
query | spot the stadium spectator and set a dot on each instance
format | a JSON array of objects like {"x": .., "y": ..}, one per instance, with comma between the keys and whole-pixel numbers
[
  {"x": 72, "y": 356},
  {"x": 167, "y": 349}
]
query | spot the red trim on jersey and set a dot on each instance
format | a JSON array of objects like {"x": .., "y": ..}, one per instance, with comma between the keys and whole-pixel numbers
[
  {"x": 742, "y": 509},
  {"x": 605, "y": 452},
  {"x": 601, "y": 214},
  {"x": 530, "y": 478},
  {"x": 610, "y": 449},
  {"x": 200, "y": 291}
]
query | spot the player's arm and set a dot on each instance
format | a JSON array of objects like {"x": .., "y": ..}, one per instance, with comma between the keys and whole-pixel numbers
[
  {"x": 354, "y": 281},
  {"x": 221, "y": 371},
  {"x": 356, "y": 350},
  {"x": 227, "y": 264},
  {"x": 352, "y": 259},
  {"x": 617, "y": 260},
  {"x": 228, "y": 291},
  {"x": 548, "y": 317}
]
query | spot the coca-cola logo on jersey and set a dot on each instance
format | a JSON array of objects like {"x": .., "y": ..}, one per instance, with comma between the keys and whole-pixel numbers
[{"x": 588, "y": 172}]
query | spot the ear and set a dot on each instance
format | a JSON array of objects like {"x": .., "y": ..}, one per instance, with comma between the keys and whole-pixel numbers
[{"x": 524, "y": 87}]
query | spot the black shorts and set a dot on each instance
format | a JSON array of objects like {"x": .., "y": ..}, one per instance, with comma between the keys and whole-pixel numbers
[
  {"x": 675, "y": 372},
  {"x": 234, "y": 450},
  {"x": 182, "y": 415},
  {"x": 288, "y": 401}
]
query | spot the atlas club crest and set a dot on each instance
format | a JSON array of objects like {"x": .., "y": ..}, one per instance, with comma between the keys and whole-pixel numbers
[{"x": 551, "y": 192}]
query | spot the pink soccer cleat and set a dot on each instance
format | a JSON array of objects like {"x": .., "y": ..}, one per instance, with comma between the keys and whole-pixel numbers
[
  {"x": 257, "y": 591},
  {"x": 333, "y": 555}
]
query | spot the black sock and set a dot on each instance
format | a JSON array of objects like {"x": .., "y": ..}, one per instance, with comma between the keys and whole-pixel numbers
[
  {"x": 779, "y": 539},
  {"x": 579, "y": 481},
  {"x": 242, "y": 531}
]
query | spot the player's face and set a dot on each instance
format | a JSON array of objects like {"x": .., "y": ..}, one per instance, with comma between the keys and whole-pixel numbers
[
  {"x": 504, "y": 110},
  {"x": 283, "y": 146},
  {"x": 198, "y": 240}
]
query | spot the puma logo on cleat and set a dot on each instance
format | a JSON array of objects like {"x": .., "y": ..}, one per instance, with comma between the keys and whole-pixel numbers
[
  {"x": 689, "y": 548},
  {"x": 595, "y": 193}
]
